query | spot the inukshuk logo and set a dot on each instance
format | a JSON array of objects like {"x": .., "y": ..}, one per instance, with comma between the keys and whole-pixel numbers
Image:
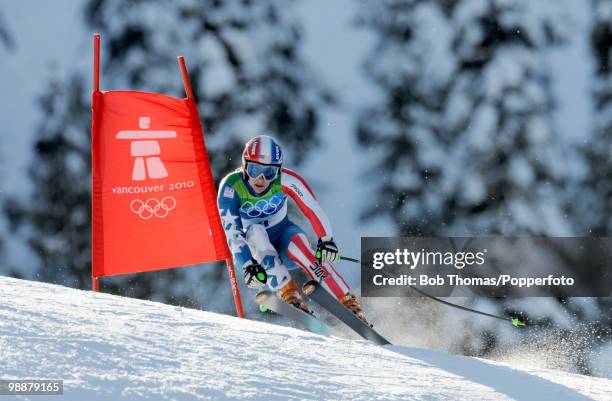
[
  {"x": 145, "y": 150},
  {"x": 147, "y": 165}
]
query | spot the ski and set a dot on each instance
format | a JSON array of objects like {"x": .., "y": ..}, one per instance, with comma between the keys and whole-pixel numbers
[
  {"x": 314, "y": 291},
  {"x": 269, "y": 300}
]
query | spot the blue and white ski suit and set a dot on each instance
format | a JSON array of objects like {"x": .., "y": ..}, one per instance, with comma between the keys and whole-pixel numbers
[{"x": 258, "y": 227}]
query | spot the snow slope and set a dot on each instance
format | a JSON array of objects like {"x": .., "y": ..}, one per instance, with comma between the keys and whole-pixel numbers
[{"x": 112, "y": 348}]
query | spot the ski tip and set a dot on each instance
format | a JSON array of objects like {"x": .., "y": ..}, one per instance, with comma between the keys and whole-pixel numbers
[{"x": 517, "y": 322}]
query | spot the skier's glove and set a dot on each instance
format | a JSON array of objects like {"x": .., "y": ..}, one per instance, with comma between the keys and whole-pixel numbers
[
  {"x": 327, "y": 251},
  {"x": 254, "y": 275}
]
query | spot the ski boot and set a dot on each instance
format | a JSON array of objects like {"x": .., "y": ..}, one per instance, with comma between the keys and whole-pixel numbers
[
  {"x": 290, "y": 294},
  {"x": 350, "y": 302}
]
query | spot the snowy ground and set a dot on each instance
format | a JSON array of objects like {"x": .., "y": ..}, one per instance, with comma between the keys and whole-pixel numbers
[{"x": 113, "y": 348}]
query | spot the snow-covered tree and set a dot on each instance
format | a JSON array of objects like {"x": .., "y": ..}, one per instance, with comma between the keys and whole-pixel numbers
[
  {"x": 463, "y": 125},
  {"x": 599, "y": 181},
  {"x": 597, "y": 187},
  {"x": 463, "y": 132},
  {"x": 6, "y": 42},
  {"x": 248, "y": 76},
  {"x": 5, "y": 37}
]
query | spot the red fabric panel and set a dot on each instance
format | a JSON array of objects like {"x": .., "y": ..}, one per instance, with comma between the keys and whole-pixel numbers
[{"x": 154, "y": 198}]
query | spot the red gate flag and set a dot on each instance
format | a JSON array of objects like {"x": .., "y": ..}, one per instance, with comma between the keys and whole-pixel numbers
[
  {"x": 153, "y": 195},
  {"x": 151, "y": 185}
]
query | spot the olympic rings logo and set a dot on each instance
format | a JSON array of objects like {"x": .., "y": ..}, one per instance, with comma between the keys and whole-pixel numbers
[
  {"x": 263, "y": 207},
  {"x": 153, "y": 207}
]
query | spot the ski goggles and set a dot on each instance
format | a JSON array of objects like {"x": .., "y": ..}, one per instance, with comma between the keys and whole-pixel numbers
[{"x": 254, "y": 170}]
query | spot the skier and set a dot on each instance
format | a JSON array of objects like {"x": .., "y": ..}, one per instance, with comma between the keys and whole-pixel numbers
[{"x": 252, "y": 202}]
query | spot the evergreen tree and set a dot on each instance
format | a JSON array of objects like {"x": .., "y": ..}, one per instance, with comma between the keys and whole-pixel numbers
[
  {"x": 248, "y": 77},
  {"x": 596, "y": 191},
  {"x": 464, "y": 125},
  {"x": 6, "y": 43},
  {"x": 464, "y": 135},
  {"x": 5, "y": 37},
  {"x": 597, "y": 150}
]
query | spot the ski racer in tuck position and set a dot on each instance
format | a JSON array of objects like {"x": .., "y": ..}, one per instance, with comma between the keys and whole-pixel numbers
[{"x": 252, "y": 202}]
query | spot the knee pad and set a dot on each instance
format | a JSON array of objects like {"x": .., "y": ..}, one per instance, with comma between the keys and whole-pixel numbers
[{"x": 257, "y": 239}]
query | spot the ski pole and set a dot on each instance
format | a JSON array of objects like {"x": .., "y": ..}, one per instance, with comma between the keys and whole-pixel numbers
[{"x": 515, "y": 321}]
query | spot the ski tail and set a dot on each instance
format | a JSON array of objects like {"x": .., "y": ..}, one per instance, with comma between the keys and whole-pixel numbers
[{"x": 324, "y": 299}]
